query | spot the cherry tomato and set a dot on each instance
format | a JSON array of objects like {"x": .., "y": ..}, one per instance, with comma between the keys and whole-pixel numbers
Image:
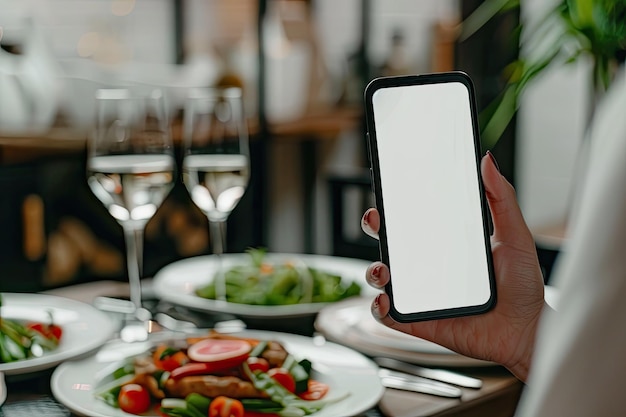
[
  {"x": 315, "y": 391},
  {"x": 225, "y": 407},
  {"x": 167, "y": 359},
  {"x": 283, "y": 377},
  {"x": 134, "y": 399},
  {"x": 256, "y": 363}
]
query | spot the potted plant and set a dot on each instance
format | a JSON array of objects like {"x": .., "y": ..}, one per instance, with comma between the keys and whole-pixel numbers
[{"x": 569, "y": 31}]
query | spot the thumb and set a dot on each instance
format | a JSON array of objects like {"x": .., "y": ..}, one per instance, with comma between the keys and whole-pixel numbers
[{"x": 508, "y": 221}]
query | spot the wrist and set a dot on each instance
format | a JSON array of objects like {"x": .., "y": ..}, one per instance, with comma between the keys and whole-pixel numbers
[{"x": 521, "y": 365}]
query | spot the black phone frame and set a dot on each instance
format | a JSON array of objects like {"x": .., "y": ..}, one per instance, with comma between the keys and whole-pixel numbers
[{"x": 409, "y": 80}]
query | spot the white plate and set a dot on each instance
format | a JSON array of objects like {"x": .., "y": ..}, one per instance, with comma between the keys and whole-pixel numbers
[
  {"x": 176, "y": 283},
  {"x": 350, "y": 323},
  {"x": 85, "y": 328},
  {"x": 343, "y": 369}
]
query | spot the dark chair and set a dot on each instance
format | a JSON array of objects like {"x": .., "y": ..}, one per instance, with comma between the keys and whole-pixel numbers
[{"x": 350, "y": 195}]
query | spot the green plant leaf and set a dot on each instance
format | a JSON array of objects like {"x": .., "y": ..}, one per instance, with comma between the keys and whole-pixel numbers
[
  {"x": 581, "y": 12},
  {"x": 566, "y": 32},
  {"x": 502, "y": 116},
  {"x": 482, "y": 14}
]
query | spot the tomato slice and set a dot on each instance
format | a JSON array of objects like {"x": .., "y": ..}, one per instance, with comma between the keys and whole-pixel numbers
[
  {"x": 284, "y": 378},
  {"x": 202, "y": 368},
  {"x": 225, "y": 407},
  {"x": 315, "y": 391},
  {"x": 134, "y": 399},
  {"x": 217, "y": 350}
]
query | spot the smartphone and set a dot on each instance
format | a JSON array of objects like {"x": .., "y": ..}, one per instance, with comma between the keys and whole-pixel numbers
[{"x": 424, "y": 146}]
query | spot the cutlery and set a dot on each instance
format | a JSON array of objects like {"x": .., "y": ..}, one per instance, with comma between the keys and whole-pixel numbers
[
  {"x": 406, "y": 382},
  {"x": 174, "y": 324},
  {"x": 114, "y": 305},
  {"x": 442, "y": 375},
  {"x": 178, "y": 325}
]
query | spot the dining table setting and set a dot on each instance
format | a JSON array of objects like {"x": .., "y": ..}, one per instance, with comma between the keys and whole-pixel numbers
[
  {"x": 253, "y": 334},
  {"x": 370, "y": 370}
]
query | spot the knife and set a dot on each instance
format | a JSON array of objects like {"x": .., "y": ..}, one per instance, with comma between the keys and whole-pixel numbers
[
  {"x": 433, "y": 374},
  {"x": 406, "y": 382}
]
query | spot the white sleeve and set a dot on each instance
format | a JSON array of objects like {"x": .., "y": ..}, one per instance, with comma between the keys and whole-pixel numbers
[{"x": 580, "y": 358}]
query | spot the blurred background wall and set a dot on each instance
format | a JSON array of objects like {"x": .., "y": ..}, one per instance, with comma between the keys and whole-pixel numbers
[
  {"x": 142, "y": 30},
  {"x": 318, "y": 56}
]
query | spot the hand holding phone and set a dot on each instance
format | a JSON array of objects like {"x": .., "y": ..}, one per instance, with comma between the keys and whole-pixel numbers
[{"x": 434, "y": 234}]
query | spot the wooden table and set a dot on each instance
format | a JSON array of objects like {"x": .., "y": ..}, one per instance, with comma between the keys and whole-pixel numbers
[{"x": 497, "y": 398}]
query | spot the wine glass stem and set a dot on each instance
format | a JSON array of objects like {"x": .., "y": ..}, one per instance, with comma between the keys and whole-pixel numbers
[
  {"x": 217, "y": 229},
  {"x": 134, "y": 239}
]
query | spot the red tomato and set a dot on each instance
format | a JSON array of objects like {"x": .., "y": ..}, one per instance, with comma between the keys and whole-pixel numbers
[
  {"x": 55, "y": 331},
  {"x": 38, "y": 327},
  {"x": 216, "y": 350},
  {"x": 256, "y": 363},
  {"x": 283, "y": 377},
  {"x": 49, "y": 331},
  {"x": 201, "y": 368},
  {"x": 315, "y": 391},
  {"x": 134, "y": 399},
  {"x": 225, "y": 407}
]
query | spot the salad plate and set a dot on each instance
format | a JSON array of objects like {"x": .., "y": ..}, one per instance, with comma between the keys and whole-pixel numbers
[
  {"x": 351, "y": 376},
  {"x": 85, "y": 329},
  {"x": 177, "y": 282}
]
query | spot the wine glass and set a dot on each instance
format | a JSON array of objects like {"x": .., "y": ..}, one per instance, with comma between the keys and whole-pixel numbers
[
  {"x": 130, "y": 169},
  {"x": 216, "y": 162}
]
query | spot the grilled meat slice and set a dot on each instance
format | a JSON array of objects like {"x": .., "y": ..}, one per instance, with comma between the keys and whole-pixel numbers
[
  {"x": 150, "y": 383},
  {"x": 275, "y": 354},
  {"x": 212, "y": 386}
]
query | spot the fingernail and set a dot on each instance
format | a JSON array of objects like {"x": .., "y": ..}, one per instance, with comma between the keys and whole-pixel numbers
[
  {"x": 375, "y": 305},
  {"x": 366, "y": 217},
  {"x": 376, "y": 271},
  {"x": 493, "y": 160}
]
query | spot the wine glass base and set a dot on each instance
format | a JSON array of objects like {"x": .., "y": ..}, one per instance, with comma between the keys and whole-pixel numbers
[{"x": 134, "y": 332}]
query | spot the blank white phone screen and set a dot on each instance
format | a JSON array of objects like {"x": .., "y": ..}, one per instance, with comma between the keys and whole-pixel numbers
[{"x": 431, "y": 200}]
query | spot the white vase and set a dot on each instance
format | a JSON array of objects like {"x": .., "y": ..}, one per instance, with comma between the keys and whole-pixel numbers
[{"x": 28, "y": 81}]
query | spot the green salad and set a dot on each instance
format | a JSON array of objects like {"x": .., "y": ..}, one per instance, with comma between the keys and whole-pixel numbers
[
  {"x": 26, "y": 340},
  {"x": 262, "y": 282}
]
